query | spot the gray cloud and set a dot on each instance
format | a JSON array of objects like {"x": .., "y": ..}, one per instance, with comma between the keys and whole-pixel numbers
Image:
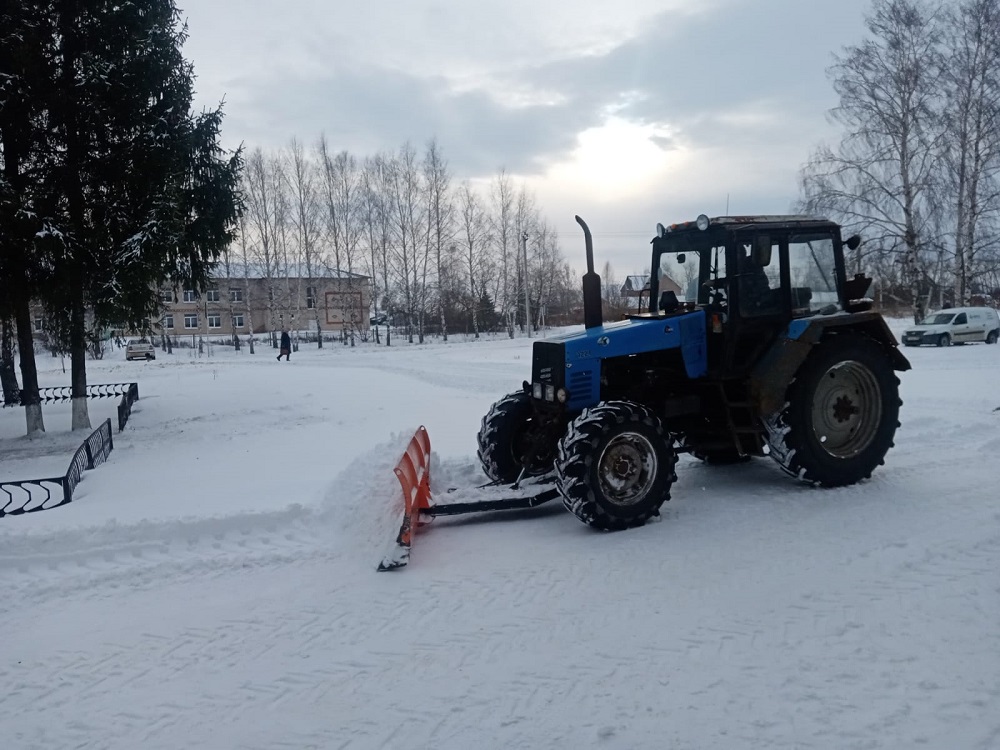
[
  {"x": 768, "y": 56},
  {"x": 742, "y": 85}
]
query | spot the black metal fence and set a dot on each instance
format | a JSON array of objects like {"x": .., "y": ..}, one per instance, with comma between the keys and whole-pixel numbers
[
  {"x": 55, "y": 393},
  {"x": 130, "y": 396},
  {"x": 33, "y": 495}
]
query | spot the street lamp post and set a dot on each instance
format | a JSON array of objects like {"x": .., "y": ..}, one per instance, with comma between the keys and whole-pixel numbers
[{"x": 527, "y": 304}]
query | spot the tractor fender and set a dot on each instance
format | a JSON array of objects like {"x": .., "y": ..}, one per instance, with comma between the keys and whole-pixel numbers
[{"x": 770, "y": 377}]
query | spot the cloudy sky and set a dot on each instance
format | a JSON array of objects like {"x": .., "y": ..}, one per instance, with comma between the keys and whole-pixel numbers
[{"x": 627, "y": 112}]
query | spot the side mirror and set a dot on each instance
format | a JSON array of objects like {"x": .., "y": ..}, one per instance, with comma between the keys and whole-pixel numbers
[{"x": 854, "y": 241}]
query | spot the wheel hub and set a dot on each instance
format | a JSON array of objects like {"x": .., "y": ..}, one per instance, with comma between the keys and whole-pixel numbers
[
  {"x": 847, "y": 409},
  {"x": 627, "y": 468},
  {"x": 844, "y": 409}
]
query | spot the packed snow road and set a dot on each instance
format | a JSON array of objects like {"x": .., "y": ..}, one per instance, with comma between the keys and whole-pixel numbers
[{"x": 213, "y": 585}]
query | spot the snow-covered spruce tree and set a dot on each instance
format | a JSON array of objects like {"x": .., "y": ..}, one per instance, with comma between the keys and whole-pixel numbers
[
  {"x": 26, "y": 53},
  {"x": 144, "y": 190}
]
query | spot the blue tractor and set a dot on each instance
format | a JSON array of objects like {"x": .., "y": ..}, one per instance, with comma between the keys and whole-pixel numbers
[{"x": 772, "y": 351}]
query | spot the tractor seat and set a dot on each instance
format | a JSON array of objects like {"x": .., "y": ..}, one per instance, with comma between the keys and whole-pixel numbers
[
  {"x": 801, "y": 297},
  {"x": 669, "y": 302}
]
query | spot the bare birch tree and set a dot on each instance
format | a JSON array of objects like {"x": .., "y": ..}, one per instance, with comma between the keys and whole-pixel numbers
[
  {"x": 880, "y": 179},
  {"x": 472, "y": 217},
  {"x": 504, "y": 241},
  {"x": 262, "y": 186},
  {"x": 972, "y": 118},
  {"x": 306, "y": 221},
  {"x": 441, "y": 217}
]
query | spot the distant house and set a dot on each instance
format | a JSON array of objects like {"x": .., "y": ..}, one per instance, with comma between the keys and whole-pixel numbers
[
  {"x": 634, "y": 286},
  {"x": 257, "y": 302}
]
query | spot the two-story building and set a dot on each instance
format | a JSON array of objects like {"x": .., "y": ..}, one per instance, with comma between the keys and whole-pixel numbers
[{"x": 329, "y": 301}]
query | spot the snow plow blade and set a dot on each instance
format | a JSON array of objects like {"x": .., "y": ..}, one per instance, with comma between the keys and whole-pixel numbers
[{"x": 413, "y": 472}]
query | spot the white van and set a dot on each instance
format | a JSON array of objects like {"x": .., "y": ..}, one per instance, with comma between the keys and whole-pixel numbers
[{"x": 958, "y": 325}]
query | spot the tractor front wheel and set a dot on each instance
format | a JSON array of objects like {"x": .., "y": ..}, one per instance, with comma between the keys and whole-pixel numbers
[
  {"x": 840, "y": 415},
  {"x": 615, "y": 466},
  {"x": 509, "y": 432}
]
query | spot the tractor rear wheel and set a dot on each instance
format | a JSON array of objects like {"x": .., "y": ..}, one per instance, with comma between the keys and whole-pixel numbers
[
  {"x": 840, "y": 415},
  {"x": 615, "y": 466},
  {"x": 508, "y": 432}
]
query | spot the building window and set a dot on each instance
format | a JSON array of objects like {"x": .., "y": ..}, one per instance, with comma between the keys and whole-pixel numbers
[
  {"x": 212, "y": 295},
  {"x": 190, "y": 321},
  {"x": 39, "y": 324},
  {"x": 235, "y": 295},
  {"x": 190, "y": 295},
  {"x": 270, "y": 294},
  {"x": 310, "y": 297},
  {"x": 215, "y": 320},
  {"x": 166, "y": 296},
  {"x": 168, "y": 321},
  {"x": 237, "y": 321}
]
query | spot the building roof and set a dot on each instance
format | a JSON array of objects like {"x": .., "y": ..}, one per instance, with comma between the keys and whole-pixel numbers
[
  {"x": 636, "y": 283},
  {"x": 240, "y": 270}
]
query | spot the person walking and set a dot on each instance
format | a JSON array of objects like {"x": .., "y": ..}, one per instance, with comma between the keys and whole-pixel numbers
[{"x": 286, "y": 345}]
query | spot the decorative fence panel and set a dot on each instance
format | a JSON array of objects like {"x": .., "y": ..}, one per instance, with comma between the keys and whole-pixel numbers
[
  {"x": 51, "y": 394},
  {"x": 32, "y": 495},
  {"x": 130, "y": 396}
]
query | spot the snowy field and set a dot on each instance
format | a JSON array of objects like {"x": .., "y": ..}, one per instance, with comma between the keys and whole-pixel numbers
[{"x": 214, "y": 586}]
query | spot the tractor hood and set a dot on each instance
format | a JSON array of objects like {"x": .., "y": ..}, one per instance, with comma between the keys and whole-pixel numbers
[{"x": 573, "y": 360}]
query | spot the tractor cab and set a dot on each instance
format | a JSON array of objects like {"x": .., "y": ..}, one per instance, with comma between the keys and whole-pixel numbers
[{"x": 752, "y": 275}]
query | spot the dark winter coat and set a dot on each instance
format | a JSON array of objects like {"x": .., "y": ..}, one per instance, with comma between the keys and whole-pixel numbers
[{"x": 286, "y": 341}]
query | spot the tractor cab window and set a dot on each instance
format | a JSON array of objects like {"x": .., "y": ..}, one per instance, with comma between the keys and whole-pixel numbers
[
  {"x": 759, "y": 276},
  {"x": 813, "y": 274},
  {"x": 679, "y": 274},
  {"x": 712, "y": 276}
]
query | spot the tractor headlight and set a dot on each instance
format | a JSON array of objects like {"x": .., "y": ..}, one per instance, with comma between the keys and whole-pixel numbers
[
  {"x": 550, "y": 393},
  {"x": 702, "y": 222},
  {"x": 536, "y": 390},
  {"x": 660, "y": 230},
  {"x": 561, "y": 395}
]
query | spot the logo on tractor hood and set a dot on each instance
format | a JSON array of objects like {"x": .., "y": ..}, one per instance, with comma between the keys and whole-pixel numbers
[{"x": 603, "y": 341}]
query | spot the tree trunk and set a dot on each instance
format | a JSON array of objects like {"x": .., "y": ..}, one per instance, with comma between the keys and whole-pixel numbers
[
  {"x": 29, "y": 373},
  {"x": 8, "y": 376},
  {"x": 78, "y": 366}
]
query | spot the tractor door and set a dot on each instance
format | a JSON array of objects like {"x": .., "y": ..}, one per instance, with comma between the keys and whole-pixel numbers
[
  {"x": 759, "y": 308},
  {"x": 781, "y": 274}
]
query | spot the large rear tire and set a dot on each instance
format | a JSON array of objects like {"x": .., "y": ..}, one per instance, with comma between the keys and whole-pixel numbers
[
  {"x": 840, "y": 415},
  {"x": 615, "y": 466},
  {"x": 505, "y": 436}
]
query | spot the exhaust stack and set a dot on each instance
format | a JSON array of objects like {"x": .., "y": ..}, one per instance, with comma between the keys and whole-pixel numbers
[{"x": 592, "y": 314}]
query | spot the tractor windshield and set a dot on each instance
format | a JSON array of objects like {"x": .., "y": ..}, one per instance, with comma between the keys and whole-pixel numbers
[{"x": 686, "y": 267}]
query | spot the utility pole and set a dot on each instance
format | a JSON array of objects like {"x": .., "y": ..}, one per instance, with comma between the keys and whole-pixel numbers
[{"x": 527, "y": 305}]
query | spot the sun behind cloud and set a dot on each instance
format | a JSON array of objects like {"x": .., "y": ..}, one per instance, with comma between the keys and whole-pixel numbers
[{"x": 619, "y": 159}]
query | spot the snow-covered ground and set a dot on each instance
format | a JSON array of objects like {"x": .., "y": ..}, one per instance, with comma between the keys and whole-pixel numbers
[{"x": 214, "y": 586}]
